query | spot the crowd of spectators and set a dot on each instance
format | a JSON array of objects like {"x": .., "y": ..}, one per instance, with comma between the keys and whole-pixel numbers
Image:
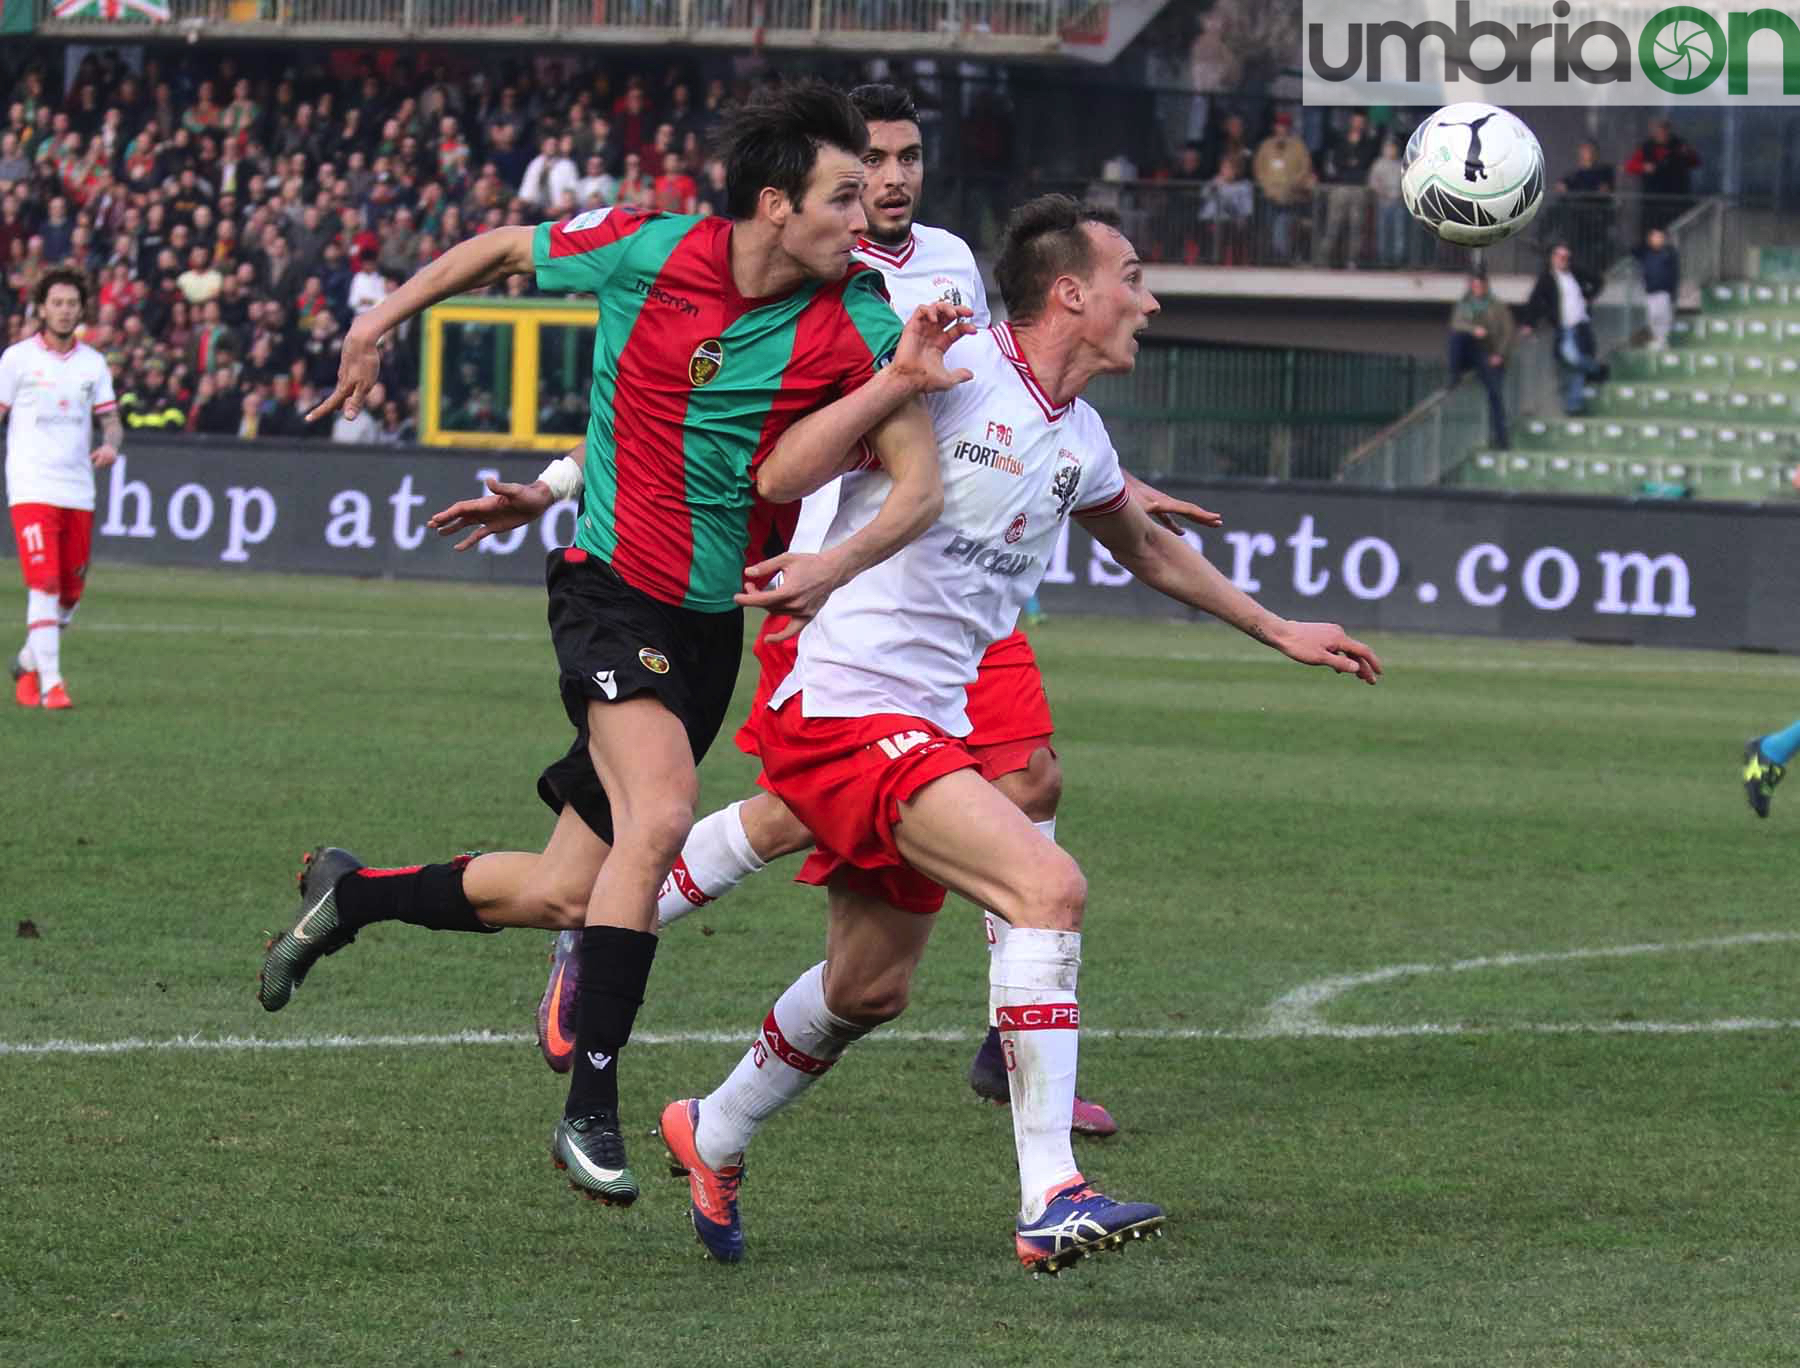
[
  {"x": 234, "y": 221},
  {"x": 236, "y": 210},
  {"x": 1281, "y": 196}
]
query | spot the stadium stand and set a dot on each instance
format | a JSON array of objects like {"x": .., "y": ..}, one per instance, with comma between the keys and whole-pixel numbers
[{"x": 1711, "y": 416}]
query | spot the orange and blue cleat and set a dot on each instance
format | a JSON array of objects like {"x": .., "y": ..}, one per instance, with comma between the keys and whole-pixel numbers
[{"x": 714, "y": 1191}]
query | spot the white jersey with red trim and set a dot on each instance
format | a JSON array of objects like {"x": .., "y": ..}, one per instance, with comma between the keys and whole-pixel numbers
[
  {"x": 932, "y": 264},
  {"x": 52, "y": 398},
  {"x": 906, "y": 636}
]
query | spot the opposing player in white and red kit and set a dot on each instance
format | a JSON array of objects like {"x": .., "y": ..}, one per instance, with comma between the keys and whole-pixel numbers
[
  {"x": 867, "y": 739},
  {"x": 52, "y": 389},
  {"x": 1008, "y": 710}
]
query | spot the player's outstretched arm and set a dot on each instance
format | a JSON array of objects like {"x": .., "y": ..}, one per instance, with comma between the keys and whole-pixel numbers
[
  {"x": 819, "y": 447},
  {"x": 469, "y": 265},
  {"x": 506, "y": 506},
  {"x": 1167, "y": 563},
  {"x": 1165, "y": 508},
  {"x": 907, "y": 448}
]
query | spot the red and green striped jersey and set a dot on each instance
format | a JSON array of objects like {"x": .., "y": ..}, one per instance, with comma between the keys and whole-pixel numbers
[{"x": 693, "y": 384}]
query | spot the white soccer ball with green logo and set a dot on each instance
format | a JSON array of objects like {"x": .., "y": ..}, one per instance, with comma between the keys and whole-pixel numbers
[{"x": 1473, "y": 174}]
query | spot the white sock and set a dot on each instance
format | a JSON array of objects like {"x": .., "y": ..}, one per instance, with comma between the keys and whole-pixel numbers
[
  {"x": 27, "y": 661},
  {"x": 997, "y": 927},
  {"x": 65, "y": 614},
  {"x": 799, "y": 1041},
  {"x": 717, "y": 858},
  {"x": 43, "y": 637},
  {"x": 1033, "y": 976}
]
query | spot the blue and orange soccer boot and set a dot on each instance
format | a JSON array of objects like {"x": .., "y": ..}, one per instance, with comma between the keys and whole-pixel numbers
[
  {"x": 714, "y": 1192},
  {"x": 987, "y": 1076},
  {"x": 1077, "y": 1222},
  {"x": 556, "y": 1009}
]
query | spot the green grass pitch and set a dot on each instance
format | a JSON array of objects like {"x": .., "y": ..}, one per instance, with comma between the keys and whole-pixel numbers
[{"x": 1494, "y": 1157}]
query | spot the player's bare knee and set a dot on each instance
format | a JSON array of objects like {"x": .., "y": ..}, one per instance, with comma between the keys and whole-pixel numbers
[
  {"x": 869, "y": 1003},
  {"x": 659, "y": 827},
  {"x": 1054, "y": 895}
]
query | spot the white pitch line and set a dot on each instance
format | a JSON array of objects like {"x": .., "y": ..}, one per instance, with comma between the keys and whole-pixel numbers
[
  {"x": 303, "y": 630},
  {"x": 1298, "y": 1012},
  {"x": 259, "y": 1045}
]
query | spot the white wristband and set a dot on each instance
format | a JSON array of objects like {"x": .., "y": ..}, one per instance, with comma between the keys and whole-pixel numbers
[{"x": 563, "y": 475}]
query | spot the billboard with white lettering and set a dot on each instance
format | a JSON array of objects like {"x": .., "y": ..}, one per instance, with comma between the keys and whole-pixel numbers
[{"x": 1660, "y": 573}]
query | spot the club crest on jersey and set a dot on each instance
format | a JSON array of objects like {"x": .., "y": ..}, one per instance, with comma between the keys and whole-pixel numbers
[
  {"x": 654, "y": 661},
  {"x": 706, "y": 362},
  {"x": 1067, "y": 482},
  {"x": 1016, "y": 530}
]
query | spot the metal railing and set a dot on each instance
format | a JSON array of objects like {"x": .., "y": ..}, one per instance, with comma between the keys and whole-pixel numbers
[
  {"x": 1192, "y": 223},
  {"x": 1439, "y": 434},
  {"x": 994, "y": 25},
  {"x": 1253, "y": 412}
]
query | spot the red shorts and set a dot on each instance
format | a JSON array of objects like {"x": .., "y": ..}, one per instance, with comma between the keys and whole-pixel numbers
[
  {"x": 53, "y": 548},
  {"x": 845, "y": 778},
  {"x": 777, "y": 662},
  {"x": 1009, "y": 712}
]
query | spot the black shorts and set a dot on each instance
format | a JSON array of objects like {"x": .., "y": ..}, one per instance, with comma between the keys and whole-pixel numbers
[{"x": 614, "y": 642}]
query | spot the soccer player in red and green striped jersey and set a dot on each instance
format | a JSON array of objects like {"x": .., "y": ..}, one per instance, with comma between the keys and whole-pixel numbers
[
  {"x": 715, "y": 336},
  {"x": 693, "y": 384}
]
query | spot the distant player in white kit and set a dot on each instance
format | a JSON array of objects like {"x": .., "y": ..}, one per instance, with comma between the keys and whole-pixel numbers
[
  {"x": 52, "y": 389},
  {"x": 865, "y": 740}
]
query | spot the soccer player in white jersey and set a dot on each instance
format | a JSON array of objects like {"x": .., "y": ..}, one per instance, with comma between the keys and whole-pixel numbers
[
  {"x": 1008, "y": 708},
  {"x": 865, "y": 741},
  {"x": 52, "y": 389}
]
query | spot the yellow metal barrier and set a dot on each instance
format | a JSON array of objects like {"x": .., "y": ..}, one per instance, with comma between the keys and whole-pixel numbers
[{"x": 506, "y": 373}]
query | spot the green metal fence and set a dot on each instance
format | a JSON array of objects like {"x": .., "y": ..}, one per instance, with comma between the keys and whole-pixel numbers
[{"x": 1259, "y": 412}]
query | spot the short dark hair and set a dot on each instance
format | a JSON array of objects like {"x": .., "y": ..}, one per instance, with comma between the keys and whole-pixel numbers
[
  {"x": 1045, "y": 240},
  {"x": 62, "y": 275},
  {"x": 883, "y": 103},
  {"x": 775, "y": 139}
]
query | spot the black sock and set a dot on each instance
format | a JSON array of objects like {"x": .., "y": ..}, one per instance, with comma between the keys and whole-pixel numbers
[
  {"x": 424, "y": 895},
  {"x": 615, "y": 966}
]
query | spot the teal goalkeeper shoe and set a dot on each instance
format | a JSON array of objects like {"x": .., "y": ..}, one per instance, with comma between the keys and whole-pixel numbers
[
  {"x": 317, "y": 932},
  {"x": 1761, "y": 774}
]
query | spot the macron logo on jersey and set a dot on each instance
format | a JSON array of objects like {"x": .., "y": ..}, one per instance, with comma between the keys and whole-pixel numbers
[{"x": 656, "y": 294}]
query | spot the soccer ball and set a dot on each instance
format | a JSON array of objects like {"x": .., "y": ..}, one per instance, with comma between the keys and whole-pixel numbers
[{"x": 1472, "y": 174}]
